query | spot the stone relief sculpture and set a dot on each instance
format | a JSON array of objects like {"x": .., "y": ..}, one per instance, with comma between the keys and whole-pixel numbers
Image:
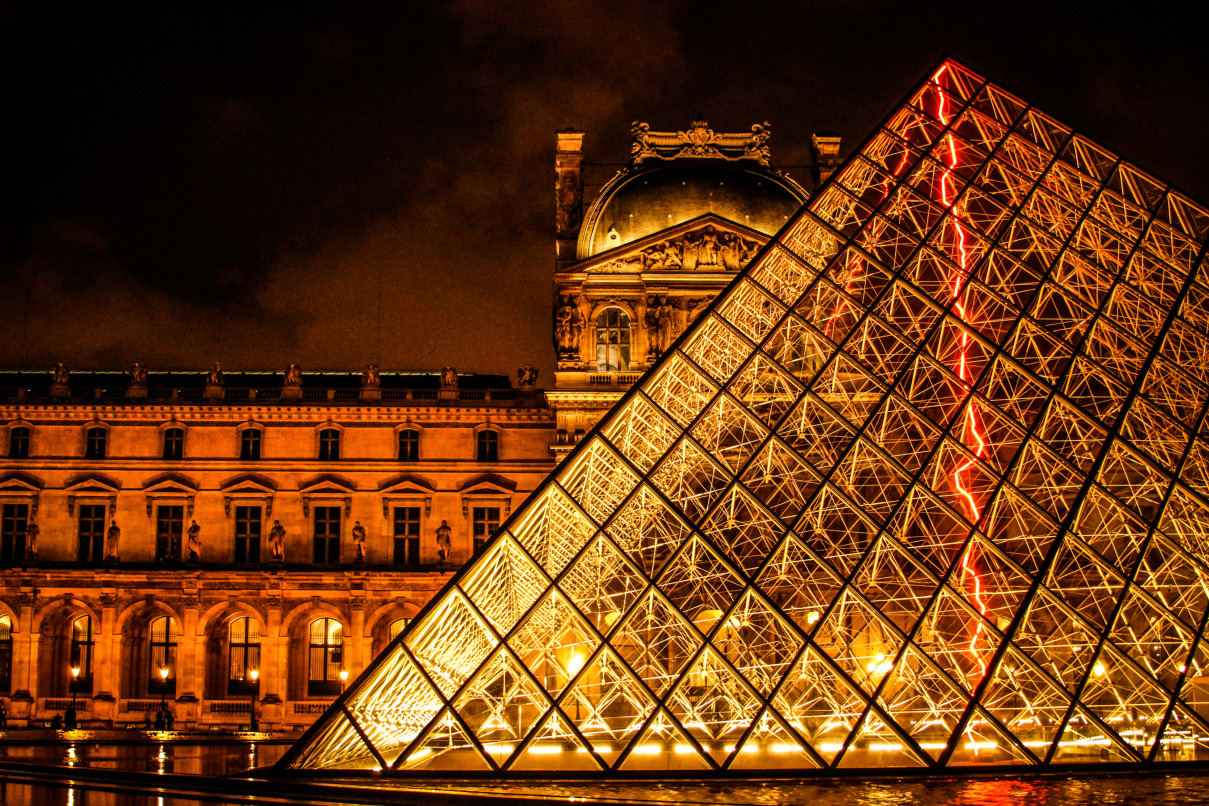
[
  {"x": 293, "y": 375},
  {"x": 443, "y": 542},
  {"x": 112, "y": 543},
  {"x": 193, "y": 546},
  {"x": 565, "y": 336},
  {"x": 277, "y": 542},
  {"x": 370, "y": 377},
  {"x": 449, "y": 378},
  {"x": 527, "y": 377},
  {"x": 359, "y": 543},
  {"x": 568, "y": 195}
]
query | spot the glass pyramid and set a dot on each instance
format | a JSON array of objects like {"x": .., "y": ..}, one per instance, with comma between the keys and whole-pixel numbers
[{"x": 926, "y": 487}]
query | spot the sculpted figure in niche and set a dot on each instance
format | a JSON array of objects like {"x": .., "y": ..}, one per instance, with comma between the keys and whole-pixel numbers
[
  {"x": 671, "y": 256},
  {"x": 61, "y": 374},
  {"x": 32, "y": 530},
  {"x": 370, "y": 378},
  {"x": 692, "y": 253},
  {"x": 527, "y": 377},
  {"x": 567, "y": 198},
  {"x": 359, "y": 542},
  {"x": 443, "y": 541},
  {"x": 138, "y": 375},
  {"x": 112, "y": 539},
  {"x": 215, "y": 377},
  {"x": 564, "y": 327},
  {"x": 659, "y": 324},
  {"x": 731, "y": 246},
  {"x": 277, "y": 542},
  {"x": 193, "y": 545},
  {"x": 449, "y": 378},
  {"x": 293, "y": 375}
]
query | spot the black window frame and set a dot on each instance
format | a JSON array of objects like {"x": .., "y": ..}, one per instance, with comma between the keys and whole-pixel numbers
[
  {"x": 487, "y": 446},
  {"x": 406, "y": 521},
  {"x": 14, "y": 520},
  {"x": 96, "y": 443},
  {"x": 247, "y": 651},
  {"x": 6, "y": 653},
  {"x": 161, "y": 654},
  {"x": 326, "y": 534},
  {"x": 409, "y": 445},
  {"x": 169, "y": 532},
  {"x": 249, "y": 444},
  {"x": 18, "y": 442},
  {"x": 90, "y": 533},
  {"x": 174, "y": 444},
  {"x": 329, "y": 445},
  {"x": 613, "y": 331},
  {"x": 249, "y": 528},
  {"x": 330, "y": 655},
  {"x": 82, "y": 652}
]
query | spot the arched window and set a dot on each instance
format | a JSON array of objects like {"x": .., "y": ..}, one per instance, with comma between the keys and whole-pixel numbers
[
  {"x": 174, "y": 443},
  {"x": 397, "y": 626},
  {"x": 329, "y": 445},
  {"x": 488, "y": 446},
  {"x": 612, "y": 341},
  {"x": 82, "y": 643},
  {"x": 409, "y": 445},
  {"x": 18, "y": 443},
  {"x": 6, "y": 653},
  {"x": 243, "y": 656},
  {"x": 325, "y": 657},
  {"x": 95, "y": 443},
  {"x": 163, "y": 656}
]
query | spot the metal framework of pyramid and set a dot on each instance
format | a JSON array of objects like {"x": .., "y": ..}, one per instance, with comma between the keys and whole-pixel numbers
[{"x": 926, "y": 487}]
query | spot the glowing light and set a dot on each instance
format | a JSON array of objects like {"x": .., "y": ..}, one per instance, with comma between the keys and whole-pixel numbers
[
  {"x": 812, "y": 616},
  {"x": 970, "y": 425},
  {"x": 575, "y": 664},
  {"x": 1098, "y": 669},
  {"x": 546, "y": 749},
  {"x": 648, "y": 749},
  {"x": 683, "y": 749},
  {"x": 786, "y": 748},
  {"x": 885, "y": 747}
]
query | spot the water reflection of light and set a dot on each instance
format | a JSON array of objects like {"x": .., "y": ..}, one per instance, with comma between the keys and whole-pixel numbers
[
  {"x": 71, "y": 796},
  {"x": 161, "y": 760}
]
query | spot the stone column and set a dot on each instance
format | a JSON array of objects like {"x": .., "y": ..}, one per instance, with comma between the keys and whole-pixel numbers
[
  {"x": 274, "y": 668},
  {"x": 106, "y": 665},
  {"x": 25, "y": 664},
  {"x": 569, "y": 195},
  {"x": 825, "y": 149},
  {"x": 354, "y": 641},
  {"x": 190, "y": 668}
]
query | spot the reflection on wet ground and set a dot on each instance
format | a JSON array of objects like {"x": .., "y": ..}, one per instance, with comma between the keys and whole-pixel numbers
[{"x": 216, "y": 759}]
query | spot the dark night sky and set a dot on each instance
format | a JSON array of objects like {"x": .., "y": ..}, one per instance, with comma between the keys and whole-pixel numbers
[{"x": 189, "y": 185}]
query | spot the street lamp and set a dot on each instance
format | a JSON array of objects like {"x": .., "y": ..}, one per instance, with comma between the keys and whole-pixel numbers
[
  {"x": 255, "y": 675},
  {"x": 75, "y": 676},
  {"x": 163, "y": 688},
  {"x": 343, "y": 679}
]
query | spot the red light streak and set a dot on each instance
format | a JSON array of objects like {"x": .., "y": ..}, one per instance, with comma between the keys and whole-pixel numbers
[{"x": 970, "y": 425}]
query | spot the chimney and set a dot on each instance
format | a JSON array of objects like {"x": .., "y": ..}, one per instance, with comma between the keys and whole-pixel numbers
[{"x": 569, "y": 194}]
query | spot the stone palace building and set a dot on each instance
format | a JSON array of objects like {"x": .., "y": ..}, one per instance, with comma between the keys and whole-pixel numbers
[{"x": 210, "y": 539}]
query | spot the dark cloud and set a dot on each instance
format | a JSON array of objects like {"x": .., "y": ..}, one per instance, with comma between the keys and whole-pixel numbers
[{"x": 336, "y": 185}]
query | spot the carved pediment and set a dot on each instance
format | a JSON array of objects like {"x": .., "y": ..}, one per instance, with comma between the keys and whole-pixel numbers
[
  {"x": 94, "y": 483},
  {"x": 20, "y": 483},
  {"x": 707, "y": 243},
  {"x": 249, "y": 484},
  {"x": 171, "y": 485},
  {"x": 489, "y": 483},
  {"x": 406, "y": 484}
]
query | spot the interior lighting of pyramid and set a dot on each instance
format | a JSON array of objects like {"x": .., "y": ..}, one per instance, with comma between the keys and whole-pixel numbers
[
  {"x": 926, "y": 487},
  {"x": 971, "y": 421}
]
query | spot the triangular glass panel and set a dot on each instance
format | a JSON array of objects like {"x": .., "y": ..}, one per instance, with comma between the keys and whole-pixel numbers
[
  {"x": 984, "y": 743},
  {"x": 713, "y": 704},
  {"x": 1123, "y": 698},
  {"x": 1184, "y": 738},
  {"x": 1086, "y": 741},
  {"x": 450, "y": 641},
  {"x": 757, "y": 641},
  {"x": 656, "y": 641},
  {"x": 700, "y": 584},
  {"x": 1026, "y": 701},
  {"x": 663, "y": 746},
  {"x": 742, "y": 528},
  {"x": 445, "y": 746},
  {"x": 603, "y": 584},
  {"x": 647, "y": 530},
  {"x": 819, "y": 703},
  {"x": 771, "y": 745},
  {"x": 553, "y": 529},
  {"x": 336, "y": 745},
  {"x": 800, "y": 584},
  {"x": 554, "y": 746},
  {"x": 505, "y": 584},
  {"x": 922, "y": 701},
  {"x": 876, "y": 744}
]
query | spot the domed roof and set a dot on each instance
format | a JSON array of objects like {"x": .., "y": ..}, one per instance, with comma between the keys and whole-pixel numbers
[{"x": 642, "y": 201}]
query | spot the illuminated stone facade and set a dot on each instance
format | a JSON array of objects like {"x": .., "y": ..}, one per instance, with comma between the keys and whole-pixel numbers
[
  {"x": 927, "y": 487},
  {"x": 321, "y": 456}
]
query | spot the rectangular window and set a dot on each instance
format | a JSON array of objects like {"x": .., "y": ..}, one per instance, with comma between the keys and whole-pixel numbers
[
  {"x": 485, "y": 521},
  {"x": 409, "y": 446},
  {"x": 13, "y": 521},
  {"x": 329, "y": 445},
  {"x": 249, "y": 444},
  {"x": 247, "y": 535},
  {"x": 488, "y": 446},
  {"x": 18, "y": 443},
  {"x": 95, "y": 443},
  {"x": 174, "y": 443},
  {"x": 169, "y": 527},
  {"x": 407, "y": 535},
  {"x": 92, "y": 533},
  {"x": 327, "y": 535}
]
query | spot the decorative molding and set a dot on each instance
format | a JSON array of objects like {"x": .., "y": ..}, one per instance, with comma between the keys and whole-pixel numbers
[{"x": 699, "y": 141}]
